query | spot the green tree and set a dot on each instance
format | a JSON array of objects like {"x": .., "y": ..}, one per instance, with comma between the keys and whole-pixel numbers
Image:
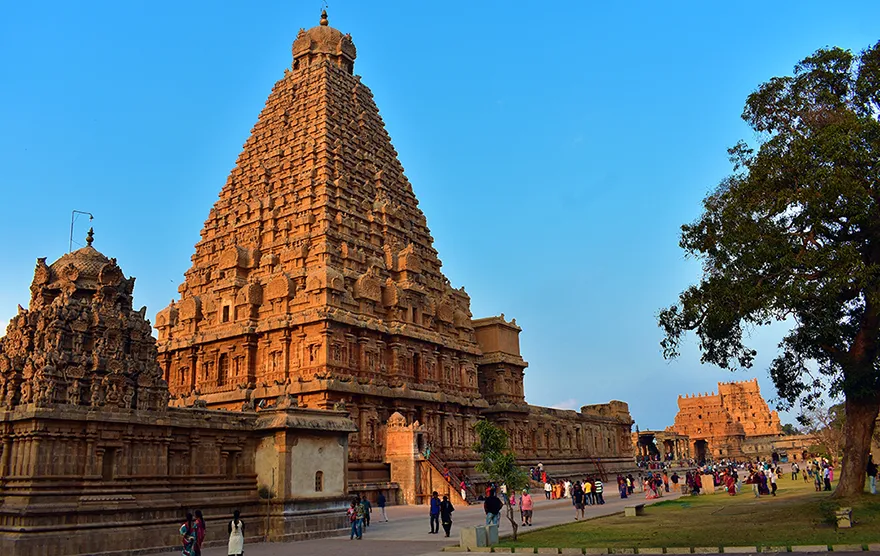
[
  {"x": 789, "y": 430},
  {"x": 793, "y": 235},
  {"x": 498, "y": 463}
]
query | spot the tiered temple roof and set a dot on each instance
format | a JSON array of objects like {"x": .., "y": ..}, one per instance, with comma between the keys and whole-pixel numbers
[{"x": 79, "y": 342}]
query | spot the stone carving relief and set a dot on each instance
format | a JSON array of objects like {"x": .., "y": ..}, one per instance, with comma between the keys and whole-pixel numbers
[{"x": 80, "y": 342}]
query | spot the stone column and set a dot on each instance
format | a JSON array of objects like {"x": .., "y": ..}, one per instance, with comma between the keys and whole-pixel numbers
[
  {"x": 285, "y": 342},
  {"x": 250, "y": 358},
  {"x": 4, "y": 458},
  {"x": 443, "y": 433},
  {"x": 193, "y": 368},
  {"x": 395, "y": 358},
  {"x": 362, "y": 342}
]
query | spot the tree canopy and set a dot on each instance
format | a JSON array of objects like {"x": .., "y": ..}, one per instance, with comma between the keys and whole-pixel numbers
[{"x": 793, "y": 235}]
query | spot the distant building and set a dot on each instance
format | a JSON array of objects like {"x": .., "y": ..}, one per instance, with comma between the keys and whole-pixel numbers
[{"x": 734, "y": 423}]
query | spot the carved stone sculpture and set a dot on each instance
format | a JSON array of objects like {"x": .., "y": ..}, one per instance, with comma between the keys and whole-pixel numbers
[{"x": 80, "y": 329}]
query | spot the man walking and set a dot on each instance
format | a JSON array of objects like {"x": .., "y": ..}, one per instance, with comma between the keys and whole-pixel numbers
[
  {"x": 492, "y": 507},
  {"x": 577, "y": 499},
  {"x": 435, "y": 513},
  {"x": 446, "y": 510},
  {"x": 381, "y": 503}
]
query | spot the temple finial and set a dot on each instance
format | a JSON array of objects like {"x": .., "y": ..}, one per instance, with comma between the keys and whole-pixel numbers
[
  {"x": 90, "y": 237},
  {"x": 324, "y": 20}
]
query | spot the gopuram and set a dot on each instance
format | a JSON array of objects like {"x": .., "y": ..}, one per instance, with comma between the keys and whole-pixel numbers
[
  {"x": 735, "y": 423},
  {"x": 316, "y": 277},
  {"x": 92, "y": 459}
]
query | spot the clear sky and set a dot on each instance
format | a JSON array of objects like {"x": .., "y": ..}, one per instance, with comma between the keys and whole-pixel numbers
[{"x": 555, "y": 149}]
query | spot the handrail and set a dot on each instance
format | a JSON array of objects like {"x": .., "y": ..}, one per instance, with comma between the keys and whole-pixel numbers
[{"x": 439, "y": 464}]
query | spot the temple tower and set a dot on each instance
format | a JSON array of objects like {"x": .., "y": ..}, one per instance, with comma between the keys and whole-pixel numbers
[
  {"x": 316, "y": 278},
  {"x": 315, "y": 274}
]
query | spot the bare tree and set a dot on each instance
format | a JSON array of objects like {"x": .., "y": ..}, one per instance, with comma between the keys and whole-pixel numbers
[{"x": 826, "y": 424}]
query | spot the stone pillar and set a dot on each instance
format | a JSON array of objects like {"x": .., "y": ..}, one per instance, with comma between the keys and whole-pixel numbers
[
  {"x": 4, "y": 458},
  {"x": 362, "y": 342},
  {"x": 444, "y": 439},
  {"x": 395, "y": 358},
  {"x": 285, "y": 342},
  {"x": 193, "y": 368},
  {"x": 250, "y": 361}
]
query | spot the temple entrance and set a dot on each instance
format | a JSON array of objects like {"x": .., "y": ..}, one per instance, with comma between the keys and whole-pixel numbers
[{"x": 701, "y": 449}]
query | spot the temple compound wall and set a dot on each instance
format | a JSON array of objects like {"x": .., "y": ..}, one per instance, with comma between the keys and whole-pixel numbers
[
  {"x": 734, "y": 423},
  {"x": 93, "y": 461},
  {"x": 316, "y": 277}
]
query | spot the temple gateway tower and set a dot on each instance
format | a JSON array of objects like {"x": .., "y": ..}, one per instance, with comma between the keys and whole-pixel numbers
[{"x": 315, "y": 276}]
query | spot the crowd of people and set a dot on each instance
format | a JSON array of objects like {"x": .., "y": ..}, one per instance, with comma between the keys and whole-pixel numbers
[
  {"x": 728, "y": 475},
  {"x": 193, "y": 530},
  {"x": 761, "y": 476},
  {"x": 360, "y": 512}
]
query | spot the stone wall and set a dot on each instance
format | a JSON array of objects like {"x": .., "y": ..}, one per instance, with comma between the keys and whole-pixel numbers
[{"x": 76, "y": 481}]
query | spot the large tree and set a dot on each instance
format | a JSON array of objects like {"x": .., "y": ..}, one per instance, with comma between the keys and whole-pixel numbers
[{"x": 793, "y": 235}]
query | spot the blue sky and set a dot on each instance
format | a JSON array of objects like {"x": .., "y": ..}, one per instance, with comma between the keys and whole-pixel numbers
[{"x": 555, "y": 150}]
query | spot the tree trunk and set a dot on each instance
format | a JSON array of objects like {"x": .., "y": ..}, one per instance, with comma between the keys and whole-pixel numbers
[
  {"x": 513, "y": 524},
  {"x": 861, "y": 414}
]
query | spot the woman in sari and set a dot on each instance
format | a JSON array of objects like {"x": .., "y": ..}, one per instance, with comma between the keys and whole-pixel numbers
[
  {"x": 201, "y": 529},
  {"x": 731, "y": 484},
  {"x": 762, "y": 483},
  {"x": 188, "y": 536}
]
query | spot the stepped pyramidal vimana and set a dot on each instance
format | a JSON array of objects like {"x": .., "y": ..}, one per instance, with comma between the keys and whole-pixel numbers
[
  {"x": 316, "y": 276},
  {"x": 316, "y": 349}
]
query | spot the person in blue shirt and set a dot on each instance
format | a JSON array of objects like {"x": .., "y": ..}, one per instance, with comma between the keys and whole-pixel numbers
[{"x": 435, "y": 513}]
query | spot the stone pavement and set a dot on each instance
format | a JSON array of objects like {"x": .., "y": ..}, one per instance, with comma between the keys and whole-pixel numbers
[{"x": 407, "y": 531}]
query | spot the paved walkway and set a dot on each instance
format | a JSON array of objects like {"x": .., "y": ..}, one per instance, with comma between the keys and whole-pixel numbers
[{"x": 407, "y": 531}]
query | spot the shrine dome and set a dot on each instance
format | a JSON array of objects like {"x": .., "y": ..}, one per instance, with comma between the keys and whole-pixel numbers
[
  {"x": 86, "y": 268},
  {"x": 323, "y": 41},
  {"x": 87, "y": 261}
]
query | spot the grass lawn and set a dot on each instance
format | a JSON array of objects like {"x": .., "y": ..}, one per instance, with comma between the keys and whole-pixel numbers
[{"x": 798, "y": 515}]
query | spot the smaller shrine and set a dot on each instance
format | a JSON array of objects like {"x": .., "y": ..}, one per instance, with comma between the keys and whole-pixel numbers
[
  {"x": 79, "y": 343},
  {"x": 92, "y": 459}
]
